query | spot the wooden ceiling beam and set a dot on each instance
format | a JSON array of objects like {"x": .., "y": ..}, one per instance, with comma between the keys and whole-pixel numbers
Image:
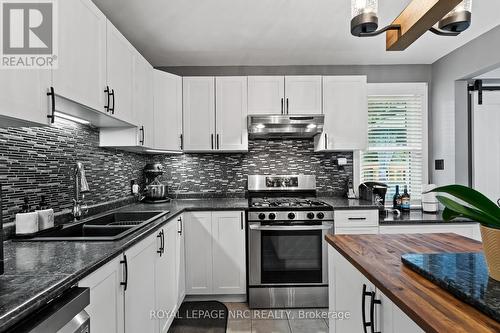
[{"x": 415, "y": 20}]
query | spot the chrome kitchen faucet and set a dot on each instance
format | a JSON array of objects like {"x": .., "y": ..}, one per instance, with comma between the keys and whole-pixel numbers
[{"x": 81, "y": 186}]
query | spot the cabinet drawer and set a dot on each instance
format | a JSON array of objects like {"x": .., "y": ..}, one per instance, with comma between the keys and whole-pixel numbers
[{"x": 356, "y": 218}]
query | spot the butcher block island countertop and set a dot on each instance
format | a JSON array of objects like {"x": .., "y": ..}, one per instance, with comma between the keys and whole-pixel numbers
[{"x": 378, "y": 258}]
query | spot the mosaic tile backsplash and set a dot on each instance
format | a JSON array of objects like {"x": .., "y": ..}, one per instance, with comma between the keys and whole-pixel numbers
[
  {"x": 225, "y": 174},
  {"x": 39, "y": 160}
]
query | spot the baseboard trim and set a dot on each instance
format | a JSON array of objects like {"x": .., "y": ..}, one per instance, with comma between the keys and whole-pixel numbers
[{"x": 220, "y": 298}]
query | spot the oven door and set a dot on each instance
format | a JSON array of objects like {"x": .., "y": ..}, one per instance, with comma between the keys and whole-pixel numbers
[{"x": 288, "y": 255}]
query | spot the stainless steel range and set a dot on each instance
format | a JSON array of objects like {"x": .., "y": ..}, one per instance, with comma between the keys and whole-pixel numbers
[{"x": 287, "y": 251}]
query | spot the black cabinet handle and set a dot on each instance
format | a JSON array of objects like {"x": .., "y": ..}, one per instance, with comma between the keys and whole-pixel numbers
[
  {"x": 112, "y": 109},
  {"x": 52, "y": 95},
  {"x": 124, "y": 262},
  {"x": 179, "y": 231},
  {"x": 212, "y": 140},
  {"x": 182, "y": 142},
  {"x": 217, "y": 141},
  {"x": 160, "y": 251},
  {"x": 282, "y": 111},
  {"x": 363, "y": 305},
  {"x": 162, "y": 241},
  {"x": 356, "y": 218},
  {"x": 106, "y": 107},
  {"x": 143, "y": 136},
  {"x": 373, "y": 301},
  {"x": 326, "y": 141},
  {"x": 287, "y": 106},
  {"x": 241, "y": 221}
]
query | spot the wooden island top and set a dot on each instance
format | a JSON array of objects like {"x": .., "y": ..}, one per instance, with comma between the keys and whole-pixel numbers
[{"x": 378, "y": 258}]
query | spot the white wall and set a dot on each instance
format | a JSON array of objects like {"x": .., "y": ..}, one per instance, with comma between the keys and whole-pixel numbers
[{"x": 448, "y": 119}]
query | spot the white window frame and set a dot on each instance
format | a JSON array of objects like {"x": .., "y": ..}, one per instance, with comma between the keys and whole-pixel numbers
[{"x": 410, "y": 88}]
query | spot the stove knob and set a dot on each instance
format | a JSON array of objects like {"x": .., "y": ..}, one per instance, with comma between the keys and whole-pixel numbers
[
  {"x": 320, "y": 215},
  {"x": 310, "y": 215},
  {"x": 272, "y": 216},
  {"x": 262, "y": 216},
  {"x": 291, "y": 216}
]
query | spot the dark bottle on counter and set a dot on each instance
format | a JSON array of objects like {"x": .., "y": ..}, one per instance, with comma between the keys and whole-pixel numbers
[
  {"x": 25, "y": 208},
  {"x": 405, "y": 200},
  {"x": 396, "y": 201},
  {"x": 43, "y": 203}
]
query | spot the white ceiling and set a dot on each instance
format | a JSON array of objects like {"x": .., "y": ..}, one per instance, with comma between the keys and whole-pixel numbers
[{"x": 273, "y": 32}]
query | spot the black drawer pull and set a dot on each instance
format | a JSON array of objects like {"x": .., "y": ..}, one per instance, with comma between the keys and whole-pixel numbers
[
  {"x": 356, "y": 218},
  {"x": 363, "y": 305}
]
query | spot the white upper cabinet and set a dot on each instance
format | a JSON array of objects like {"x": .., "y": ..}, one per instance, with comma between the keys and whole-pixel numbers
[
  {"x": 167, "y": 111},
  {"x": 120, "y": 73},
  {"x": 143, "y": 101},
  {"x": 81, "y": 74},
  {"x": 303, "y": 95},
  {"x": 231, "y": 110},
  {"x": 345, "y": 107},
  {"x": 23, "y": 97},
  {"x": 266, "y": 95},
  {"x": 199, "y": 113}
]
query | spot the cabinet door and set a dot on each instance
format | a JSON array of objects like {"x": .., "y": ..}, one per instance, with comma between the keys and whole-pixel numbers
[
  {"x": 165, "y": 275},
  {"x": 347, "y": 293},
  {"x": 199, "y": 113},
  {"x": 167, "y": 111},
  {"x": 346, "y": 114},
  {"x": 120, "y": 72},
  {"x": 303, "y": 95},
  {"x": 229, "y": 275},
  {"x": 143, "y": 109},
  {"x": 140, "y": 293},
  {"x": 266, "y": 94},
  {"x": 231, "y": 111},
  {"x": 81, "y": 75},
  {"x": 198, "y": 253},
  {"x": 106, "y": 297},
  {"x": 24, "y": 100},
  {"x": 180, "y": 262}
]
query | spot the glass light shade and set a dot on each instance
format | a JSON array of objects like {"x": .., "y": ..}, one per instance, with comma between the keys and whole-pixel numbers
[
  {"x": 464, "y": 6},
  {"x": 363, "y": 6}
]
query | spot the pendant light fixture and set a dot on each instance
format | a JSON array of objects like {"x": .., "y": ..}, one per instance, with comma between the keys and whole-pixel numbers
[{"x": 364, "y": 19}]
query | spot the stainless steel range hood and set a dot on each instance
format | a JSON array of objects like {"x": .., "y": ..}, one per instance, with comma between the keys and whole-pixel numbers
[{"x": 285, "y": 126}]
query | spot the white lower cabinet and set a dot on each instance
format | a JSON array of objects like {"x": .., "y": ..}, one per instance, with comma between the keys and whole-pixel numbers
[
  {"x": 215, "y": 253},
  {"x": 181, "y": 261},
  {"x": 140, "y": 291},
  {"x": 106, "y": 298},
  {"x": 165, "y": 276},
  {"x": 350, "y": 291},
  {"x": 356, "y": 221}
]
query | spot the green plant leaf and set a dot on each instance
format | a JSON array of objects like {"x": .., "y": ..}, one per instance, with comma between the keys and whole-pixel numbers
[
  {"x": 473, "y": 198},
  {"x": 471, "y": 213},
  {"x": 449, "y": 214}
]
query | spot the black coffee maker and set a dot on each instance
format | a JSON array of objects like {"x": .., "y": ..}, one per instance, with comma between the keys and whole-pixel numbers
[{"x": 374, "y": 192}]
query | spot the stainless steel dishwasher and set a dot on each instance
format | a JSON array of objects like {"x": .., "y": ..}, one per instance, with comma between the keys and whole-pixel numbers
[{"x": 65, "y": 314}]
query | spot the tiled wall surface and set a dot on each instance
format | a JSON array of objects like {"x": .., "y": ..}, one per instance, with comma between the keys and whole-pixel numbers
[
  {"x": 211, "y": 174},
  {"x": 36, "y": 161}
]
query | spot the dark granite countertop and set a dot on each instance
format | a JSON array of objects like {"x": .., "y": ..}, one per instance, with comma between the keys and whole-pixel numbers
[
  {"x": 465, "y": 275},
  {"x": 417, "y": 217},
  {"x": 36, "y": 272}
]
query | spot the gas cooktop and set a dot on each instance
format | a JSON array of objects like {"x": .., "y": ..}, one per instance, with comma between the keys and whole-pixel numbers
[{"x": 295, "y": 203}]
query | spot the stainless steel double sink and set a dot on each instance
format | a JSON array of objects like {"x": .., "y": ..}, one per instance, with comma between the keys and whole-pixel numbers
[{"x": 107, "y": 227}]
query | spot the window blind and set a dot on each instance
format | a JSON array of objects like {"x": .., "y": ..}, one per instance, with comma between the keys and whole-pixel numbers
[{"x": 395, "y": 143}]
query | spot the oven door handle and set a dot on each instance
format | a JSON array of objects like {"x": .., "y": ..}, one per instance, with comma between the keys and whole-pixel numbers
[{"x": 325, "y": 226}]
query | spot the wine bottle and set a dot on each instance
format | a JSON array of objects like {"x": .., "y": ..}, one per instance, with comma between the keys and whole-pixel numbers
[
  {"x": 405, "y": 200},
  {"x": 396, "y": 200}
]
